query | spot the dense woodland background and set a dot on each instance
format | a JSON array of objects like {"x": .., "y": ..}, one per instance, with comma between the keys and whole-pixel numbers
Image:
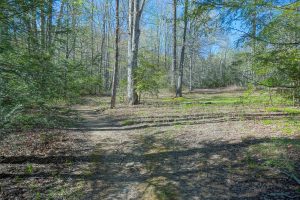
[{"x": 52, "y": 52}]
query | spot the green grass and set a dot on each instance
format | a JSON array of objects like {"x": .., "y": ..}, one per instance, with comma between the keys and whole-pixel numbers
[
  {"x": 268, "y": 122},
  {"x": 171, "y": 99},
  {"x": 288, "y": 125},
  {"x": 66, "y": 190},
  {"x": 275, "y": 153},
  {"x": 160, "y": 188},
  {"x": 29, "y": 169},
  {"x": 43, "y": 118},
  {"x": 127, "y": 122},
  {"x": 287, "y": 110},
  {"x": 188, "y": 102},
  {"x": 231, "y": 99}
]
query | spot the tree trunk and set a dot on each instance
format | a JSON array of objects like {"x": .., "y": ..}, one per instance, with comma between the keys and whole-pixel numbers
[
  {"x": 59, "y": 20},
  {"x": 102, "y": 50},
  {"x": 107, "y": 61},
  {"x": 135, "y": 11},
  {"x": 49, "y": 23},
  {"x": 130, "y": 90},
  {"x": 116, "y": 67},
  {"x": 166, "y": 43},
  {"x": 74, "y": 39},
  {"x": 66, "y": 55},
  {"x": 180, "y": 77},
  {"x": 92, "y": 45},
  {"x": 34, "y": 27},
  {"x": 191, "y": 72},
  {"x": 43, "y": 25},
  {"x": 158, "y": 43},
  {"x": 174, "y": 63},
  {"x": 253, "y": 39}
]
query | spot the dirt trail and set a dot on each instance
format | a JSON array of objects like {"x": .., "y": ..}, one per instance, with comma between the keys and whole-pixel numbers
[
  {"x": 182, "y": 161},
  {"x": 160, "y": 150},
  {"x": 111, "y": 166}
]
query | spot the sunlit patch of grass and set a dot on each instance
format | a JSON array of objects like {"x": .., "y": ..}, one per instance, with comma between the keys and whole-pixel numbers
[
  {"x": 177, "y": 125},
  {"x": 233, "y": 99},
  {"x": 211, "y": 101},
  {"x": 287, "y": 110},
  {"x": 293, "y": 125},
  {"x": 288, "y": 130},
  {"x": 277, "y": 153},
  {"x": 221, "y": 100},
  {"x": 175, "y": 100},
  {"x": 66, "y": 191},
  {"x": 264, "y": 98},
  {"x": 29, "y": 168},
  {"x": 160, "y": 188},
  {"x": 254, "y": 98},
  {"x": 267, "y": 121},
  {"x": 288, "y": 126},
  {"x": 127, "y": 122}
]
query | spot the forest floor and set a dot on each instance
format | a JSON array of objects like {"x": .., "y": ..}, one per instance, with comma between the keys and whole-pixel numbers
[{"x": 211, "y": 144}]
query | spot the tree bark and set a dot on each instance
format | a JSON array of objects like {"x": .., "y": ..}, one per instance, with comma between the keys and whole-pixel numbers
[
  {"x": 191, "y": 72},
  {"x": 180, "y": 77},
  {"x": 74, "y": 35},
  {"x": 34, "y": 27},
  {"x": 166, "y": 43},
  {"x": 174, "y": 63},
  {"x": 158, "y": 43},
  {"x": 92, "y": 37},
  {"x": 49, "y": 23},
  {"x": 107, "y": 60},
  {"x": 43, "y": 26},
  {"x": 135, "y": 11},
  {"x": 59, "y": 21},
  {"x": 102, "y": 49},
  {"x": 116, "y": 67}
]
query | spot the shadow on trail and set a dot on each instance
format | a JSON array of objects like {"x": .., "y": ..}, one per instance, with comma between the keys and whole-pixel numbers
[{"x": 157, "y": 165}]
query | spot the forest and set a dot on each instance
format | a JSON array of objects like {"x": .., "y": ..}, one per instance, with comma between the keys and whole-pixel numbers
[{"x": 150, "y": 99}]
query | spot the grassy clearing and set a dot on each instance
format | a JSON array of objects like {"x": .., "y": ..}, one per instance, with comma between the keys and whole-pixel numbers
[
  {"x": 188, "y": 140},
  {"x": 230, "y": 99},
  {"x": 289, "y": 126},
  {"x": 287, "y": 110},
  {"x": 202, "y": 101}
]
